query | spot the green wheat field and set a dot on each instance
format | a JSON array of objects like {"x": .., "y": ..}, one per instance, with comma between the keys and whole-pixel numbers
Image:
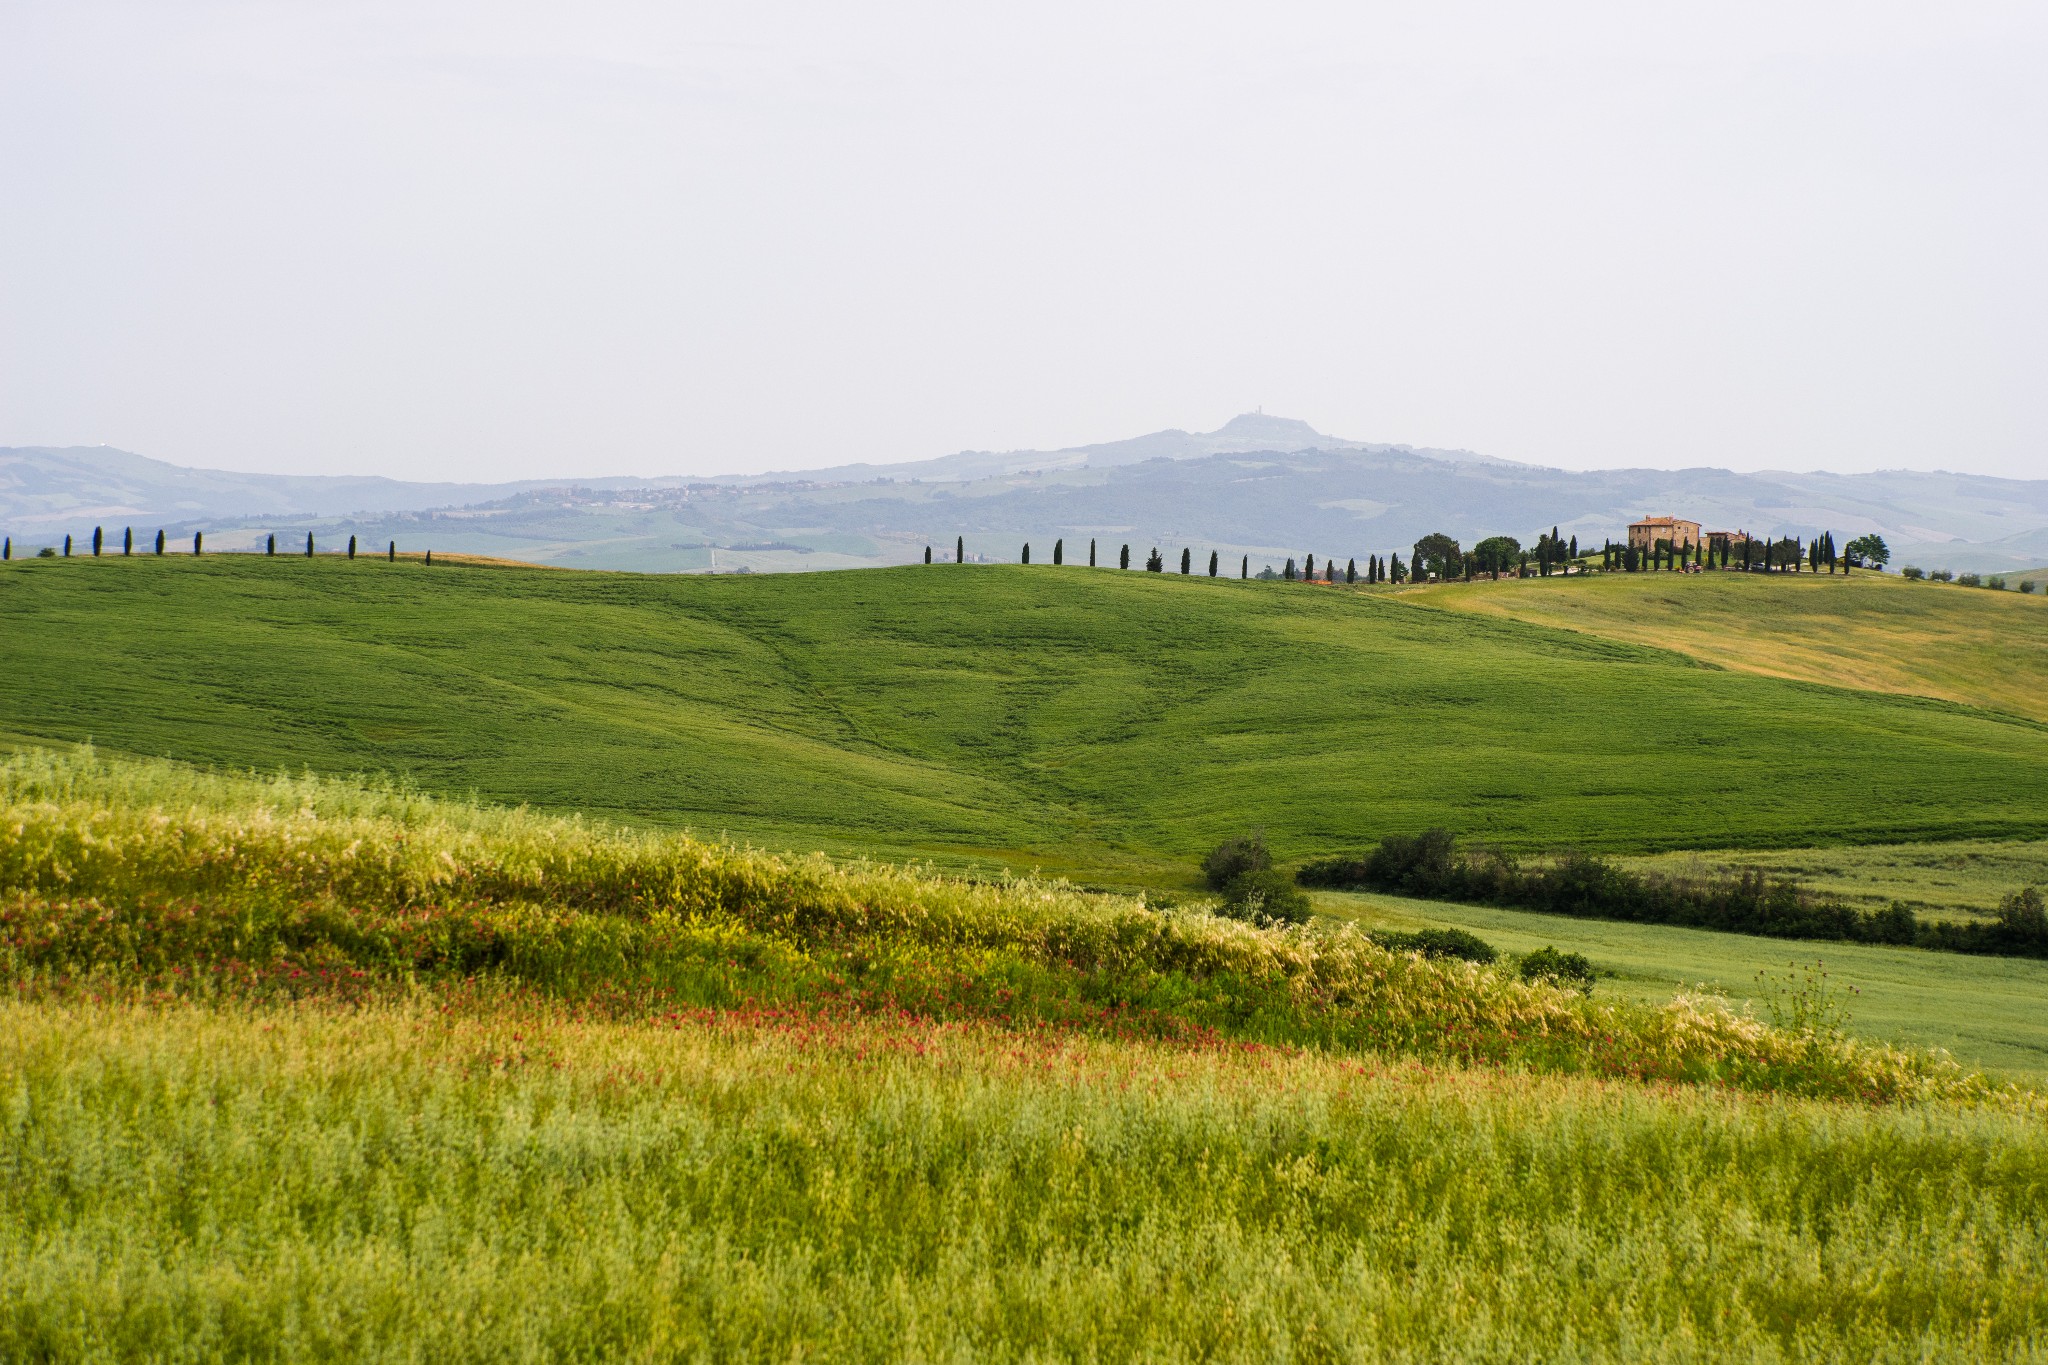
[{"x": 481, "y": 963}]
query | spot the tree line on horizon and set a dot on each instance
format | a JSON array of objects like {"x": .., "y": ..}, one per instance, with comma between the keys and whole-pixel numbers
[{"x": 1440, "y": 558}]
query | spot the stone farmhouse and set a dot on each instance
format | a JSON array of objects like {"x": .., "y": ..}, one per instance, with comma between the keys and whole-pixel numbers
[{"x": 1676, "y": 532}]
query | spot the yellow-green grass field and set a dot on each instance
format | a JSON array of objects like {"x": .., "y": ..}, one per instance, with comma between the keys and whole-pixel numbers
[
  {"x": 305, "y": 1069},
  {"x": 1987, "y": 1011},
  {"x": 1872, "y": 631},
  {"x": 506, "y": 1182},
  {"x": 1104, "y": 724}
]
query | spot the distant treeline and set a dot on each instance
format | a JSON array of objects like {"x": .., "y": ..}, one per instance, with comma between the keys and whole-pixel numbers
[{"x": 1589, "y": 887}]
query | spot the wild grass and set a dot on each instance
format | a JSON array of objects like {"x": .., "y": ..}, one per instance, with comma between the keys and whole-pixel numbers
[
  {"x": 489, "y": 1180},
  {"x": 1109, "y": 726},
  {"x": 122, "y": 876}
]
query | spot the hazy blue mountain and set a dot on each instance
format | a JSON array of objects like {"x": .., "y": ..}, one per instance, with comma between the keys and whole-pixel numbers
[{"x": 1261, "y": 485}]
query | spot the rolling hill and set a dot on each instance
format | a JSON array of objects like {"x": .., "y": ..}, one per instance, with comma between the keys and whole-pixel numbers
[{"x": 1108, "y": 724}]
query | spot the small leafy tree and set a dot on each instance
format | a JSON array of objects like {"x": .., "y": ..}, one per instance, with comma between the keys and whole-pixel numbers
[
  {"x": 1913, "y": 573},
  {"x": 1869, "y": 549},
  {"x": 1155, "y": 563},
  {"x": 1496, "y": 554},
  {"x": 1266, "y": 897},
  {"x": 1235, "y": 856},
  {"x": 1436, "y": 553}
]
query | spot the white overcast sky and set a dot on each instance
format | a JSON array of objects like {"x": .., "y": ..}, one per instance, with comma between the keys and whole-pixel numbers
[{"x": 501, "y": 240}]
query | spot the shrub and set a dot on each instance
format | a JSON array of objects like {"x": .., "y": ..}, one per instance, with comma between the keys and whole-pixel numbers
[
  {"x": 1265, "y": 897},
  {"x": 46, "y": 553},
  {"x": 1558, "y": 969},
  {"x": 2027, "y": 585},
  {"x": 1940, "y": 575},
  {"x": 1438, "y": 943},
  {"x": 1969, "y": 580},
  {"x": 1913, "y": 572},
  {"x": 1996, "y": 581},
  {"x": 1235, "y": 856}
]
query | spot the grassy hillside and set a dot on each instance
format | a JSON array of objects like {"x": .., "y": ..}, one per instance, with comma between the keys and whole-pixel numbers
[
  {"x": 1959, "y": 879},
  {"x": 1873, "y": 631},
  {"x": 303, "y": 1069},
  {"x": 1111, "y": 723},
  {"x": 1986, "y": 1011}
]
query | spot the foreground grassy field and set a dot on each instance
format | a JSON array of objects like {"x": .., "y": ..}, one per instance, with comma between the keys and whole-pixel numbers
[
  {"x": 1874, "y": 631},
  {"x": 1985, "y": 1010},
  {"x": 304, "y": 1069},
  {"x": 496, "y": 1182},
  {"x": 1109, "y": 724}
]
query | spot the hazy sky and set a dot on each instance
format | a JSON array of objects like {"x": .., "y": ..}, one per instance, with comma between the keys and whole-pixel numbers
[{"x": 496, "y": 240}]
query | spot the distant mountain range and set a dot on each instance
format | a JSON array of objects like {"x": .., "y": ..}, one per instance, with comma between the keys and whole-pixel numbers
[{"x": 1259, "y": 485}]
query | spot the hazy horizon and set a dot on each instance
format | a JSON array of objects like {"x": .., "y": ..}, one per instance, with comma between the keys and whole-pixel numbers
[{"x": 482, "y": 243}]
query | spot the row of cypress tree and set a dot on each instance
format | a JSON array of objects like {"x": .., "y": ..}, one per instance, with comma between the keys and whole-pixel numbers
[
  {"x": 199, "y": 545},
  {"x": 1791, "y": 554}
]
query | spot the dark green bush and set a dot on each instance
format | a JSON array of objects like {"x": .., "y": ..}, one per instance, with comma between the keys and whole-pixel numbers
[
  {"x": 1560, "y": 969},
  {"x": 1438, "y": 943},
  {"x": 1234, "y": 857}
]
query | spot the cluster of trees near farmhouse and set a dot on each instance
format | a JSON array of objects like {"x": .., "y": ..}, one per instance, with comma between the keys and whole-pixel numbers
[
  {"x": 1441, "y": 558},
  {"x": 1585, "y": 885}
]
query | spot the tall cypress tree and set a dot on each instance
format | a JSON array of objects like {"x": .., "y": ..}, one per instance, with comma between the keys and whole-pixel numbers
[
  {"x": 1288, "y": 572},
  {"x": 1059, "y": 551},
  {"x": 1123, "y": 559},
  {"x": 6, "y": 548},
  {"x": 351, "y": 547},
  {"x": 159, "y": 540},
  {"x": 198, "y": 540},
  {"x": 309, "y": 544},
  {"x": 1244, "y": 569},
  {"x": 1350, "y": 571},
  {"x": 1329, "y": 569},
  {"x": 1212, "y": 563},
  {"x": 1027, "y": 552},
  {"x": 927, "y": 554},
  {"x": 270, "y": 544},
  {"x": 960, "y": 549},
  {"x": 95, "y": 542},
  {"x": 1187, "y": 560},
  {"x": 67, "y": 547},
  {"x": 391, "y": 553},
  {"x": 127, "y": 541},
  {"x": 1091, "y": 552}
]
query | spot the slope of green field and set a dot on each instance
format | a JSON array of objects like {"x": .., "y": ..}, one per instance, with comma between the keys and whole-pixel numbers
[
  {"x": 1984, "y": 1010},
  {"x": 1110, "y": 723},
  {"x": 1874, "y": 631}
]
